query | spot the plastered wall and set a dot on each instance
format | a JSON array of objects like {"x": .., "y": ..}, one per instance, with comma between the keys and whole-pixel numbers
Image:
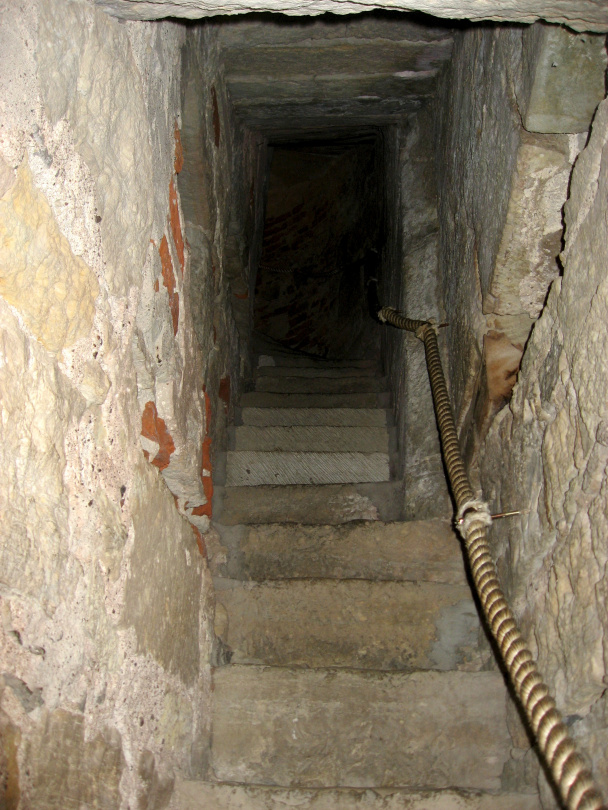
[{"x": 109, "y": 409}]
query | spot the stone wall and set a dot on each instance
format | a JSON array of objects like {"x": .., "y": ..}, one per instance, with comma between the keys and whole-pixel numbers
[
  {"x": 222, "y": 187},
  {"x": 547, "y": 454},
  {"x": 411, "y": 285},
  {"x": 501, "y": 194},
  {"x": 105, "y": 595}
]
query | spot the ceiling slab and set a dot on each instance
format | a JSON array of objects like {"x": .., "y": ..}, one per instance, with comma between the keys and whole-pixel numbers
[
  {"x": 581, "y": 15},
  {"x": 367, "y": 69}
]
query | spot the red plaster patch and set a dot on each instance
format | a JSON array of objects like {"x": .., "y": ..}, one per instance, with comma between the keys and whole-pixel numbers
[
  {"x": 169, "y": 281},
  {"x": 178, "y": 164},
  {"x": 176, "y": 225},
  {"x": 200, "y": 542},
  {"x": 155, "y": 429},
  {"x": 224, "y": 392},
  {"x": 206, "y": 463},
  {"x": 241, "y": 296}
]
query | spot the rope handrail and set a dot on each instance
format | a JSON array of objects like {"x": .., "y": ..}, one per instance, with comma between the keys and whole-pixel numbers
[{"x": 572, "y": 778}]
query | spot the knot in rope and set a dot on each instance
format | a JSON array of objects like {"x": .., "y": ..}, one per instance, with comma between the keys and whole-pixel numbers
[
  {"x": 385, "y": 312},
  {"x": 472, "y": 511},
  {"x": 425, "y": 326}
]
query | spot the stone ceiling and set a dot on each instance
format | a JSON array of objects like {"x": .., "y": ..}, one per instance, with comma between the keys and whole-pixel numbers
[
  {"x": 582, "y": 15},
  {"x": 317, "y": 74}
]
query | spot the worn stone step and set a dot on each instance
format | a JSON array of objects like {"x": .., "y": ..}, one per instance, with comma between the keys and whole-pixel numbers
[
  {"x": 309, "y": 438},
  {"x": 337, "y": 417},
  {"x": 329, "y": 503},
  {"x": 342, "y": 728},
  {"x": 192, "y": 795},
  {"x": 253, "y": 467},
  {"x": 288, "y": 360},
  {"x": 349, "y": 623},
  {"x": 321, "y": 385},
  {"x": 316, "y": 371},
  {"x": 418, "y": 550},
  {"x": 264, "y": 399}
]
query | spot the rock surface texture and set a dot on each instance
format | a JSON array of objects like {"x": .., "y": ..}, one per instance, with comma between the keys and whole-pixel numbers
[
  {"x": 582, "y": 15},
  {"x": 356, "y": 672},
  {"x": 134, "y": 166},
  {"x": 106, "y": 428}
]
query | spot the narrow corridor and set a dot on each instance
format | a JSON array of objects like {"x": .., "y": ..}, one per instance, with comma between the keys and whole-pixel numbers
[{"x": 228, "y": 577}]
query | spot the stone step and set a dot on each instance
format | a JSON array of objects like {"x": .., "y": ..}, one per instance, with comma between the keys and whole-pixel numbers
[
  {"x": 310, "y": 438},
  {"x": 321, "y": 385},
  {"x": 294, "y": 361},
  {"x": 316, "y": 371},
  {"x": 419, "y": 550},
  {"x": 338, "y": 417},
  {"x": 264, "y": 399},
  {"x": 357, "y": 623},
  {"x": 342, "y": 728},
  {"x": 328, "y": 504},
  {"x": 252, "y": 468},
  {"x": 192, "y": 795}
]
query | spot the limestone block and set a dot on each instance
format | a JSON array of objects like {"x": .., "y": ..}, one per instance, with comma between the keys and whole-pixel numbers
[
  {"x": 582, "y": 15},
  {"x": 329, "y": 503},
  {"x": 163, "y": 590},
  {"x": 324, "y": 728},
  {"x": 253, "y": 468},
  {"x": 257, "y": 399},
  {"x": 323, "y": 385},
  {"x": 526, "y": 263},
  {"x": 548, "y": 453},
  {"x": 87, "y": 73},
  {"x": 359, "y": 624},
  {"x": 568, "y": 81},
  {"x": 373, "y": 418},
  {"x": 7, "y": 177},
  {"x": 53, "y": 290},
  {"x": 318, "y": 371},
  {"x": 198, "y": 796},
  {"x": 71, "y": 770},
  {"x": 409, "y": 551},
  {"x": 38, "y": 408},
  {"x": 316, "y": 438}
]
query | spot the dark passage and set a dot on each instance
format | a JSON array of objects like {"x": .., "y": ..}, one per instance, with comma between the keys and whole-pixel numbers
[{"x": 322, "y": 232}]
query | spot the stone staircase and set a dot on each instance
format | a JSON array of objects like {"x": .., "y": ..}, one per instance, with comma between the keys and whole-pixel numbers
[{"x": 358, "y": 676}]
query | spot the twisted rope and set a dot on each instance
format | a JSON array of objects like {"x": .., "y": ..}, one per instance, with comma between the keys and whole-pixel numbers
[{"x": 572, "y": 778}]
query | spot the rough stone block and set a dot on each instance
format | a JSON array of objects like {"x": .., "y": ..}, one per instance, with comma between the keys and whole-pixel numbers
[
  {"x": 320, "y": 385},
  {"x": 324, "y": 728},
  {"x": 357, "y": 623},
  {"x": 367, "y": 417},
  {"x": 163, "y": 590},
  {"x": 331, "y": 503},
  {"x": 312, "y": 438},
  {"x": 199, "y": 796},
  {"x": 252, "y": 468},
  {"x": 69, "y": 770},
  {"x": 416, "y": 550},
  {"x": 568, "y": 82},
  {"x": 259, "y": 399}
]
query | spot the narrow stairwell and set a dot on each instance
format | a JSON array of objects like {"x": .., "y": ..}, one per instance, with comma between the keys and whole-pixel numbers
[{"x": 357, "y": 675}]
